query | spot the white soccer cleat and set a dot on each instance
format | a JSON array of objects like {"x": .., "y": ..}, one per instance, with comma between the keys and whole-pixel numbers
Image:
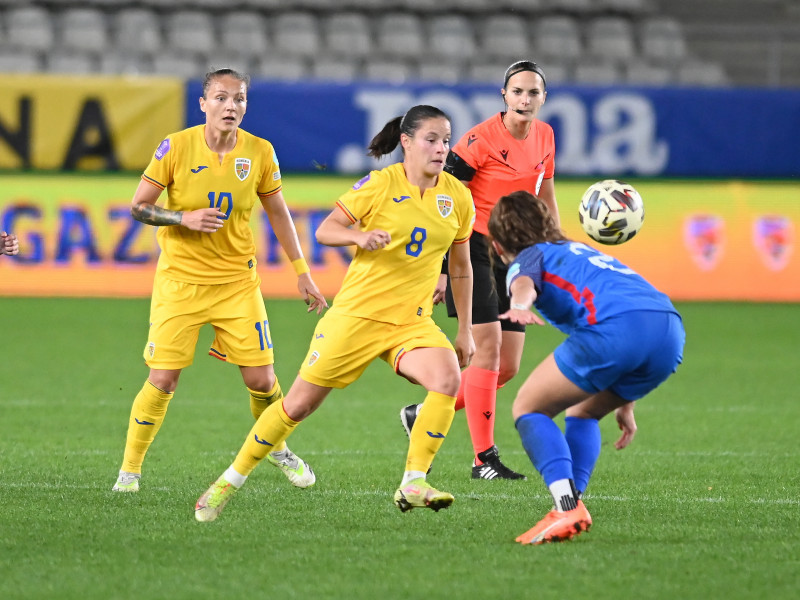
[
  {"x": 127, "y": 482},
  {"x": 297, "y": 471}
]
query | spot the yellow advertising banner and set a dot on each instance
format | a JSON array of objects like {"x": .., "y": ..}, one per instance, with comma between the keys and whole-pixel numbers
[
  {"x": 701, "y": 240},
  {"x": 86, "y": 123}
]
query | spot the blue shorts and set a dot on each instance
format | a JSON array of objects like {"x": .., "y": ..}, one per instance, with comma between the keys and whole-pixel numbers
[{"x": 629, "y": 354}]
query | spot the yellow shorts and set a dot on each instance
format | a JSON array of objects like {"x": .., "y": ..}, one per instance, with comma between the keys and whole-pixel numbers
[
  {"x": 343, "y": 347},
  {"x": 236, "y": 311}
]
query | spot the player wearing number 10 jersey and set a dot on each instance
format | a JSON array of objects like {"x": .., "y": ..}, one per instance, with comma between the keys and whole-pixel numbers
[
  {"x": 403, "y": 219},
  {"x": 213, "y": 174}
]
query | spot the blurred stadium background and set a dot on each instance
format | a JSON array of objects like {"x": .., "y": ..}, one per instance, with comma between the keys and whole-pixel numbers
[
  {"x": 696, "y": 102},
  {"x": 647, "y": 42}
]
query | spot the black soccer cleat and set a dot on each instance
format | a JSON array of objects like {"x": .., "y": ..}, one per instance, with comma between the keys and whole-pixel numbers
[
  {"x": 408, "y": 415},
  {"x": 492, "y": 468}
]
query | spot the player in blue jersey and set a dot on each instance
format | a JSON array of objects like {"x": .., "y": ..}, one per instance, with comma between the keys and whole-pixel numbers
[{"x": 624, "y": 338}]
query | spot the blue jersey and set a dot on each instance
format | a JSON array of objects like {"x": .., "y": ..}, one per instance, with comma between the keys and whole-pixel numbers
[{"x": 578, "y": 286}]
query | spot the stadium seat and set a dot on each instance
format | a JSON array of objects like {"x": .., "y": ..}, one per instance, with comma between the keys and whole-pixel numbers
[
  {"x": 19, "y": 61},
  {"x": 244, "y": 33},
  {"x": 190, "y": 31},
  {"x": 487, "y": 71},
  {"x": 556, "y": 38},
  {"x": 597, "y": 72},
  {"x": 178, "y": 64},
  {"x": 662, "y": 40},
  {"x": 523, "y": 7},
  {"x": 390, "y": 70},
  {"x": 223, "y": 58},
  {"x": 401, "y": 35},
  {"x": 348, "y": 34},
  {"x": 281, "y": 67},
  {"x": 629, "y": 8},
  {"x": 440, "y": 71},
  {"x": 72, "y": 62},
  {"x": 610, "y": 38},
  {"x": 137, "y": 30},
  {"x": 125, "y": 62},
  {"x": 339, "y": 69},
  {"x": 451, "y": 37},
  {"x": 578, "y": 8},
  {"x": 504, "y": 36},
  {"x": 296, "y": 34},
  {"x": 84, "y": 29},
  {"x": 642, "y": 72},
  {"x": 29, "y": 28},
  {"x": 700, "y": 73}
]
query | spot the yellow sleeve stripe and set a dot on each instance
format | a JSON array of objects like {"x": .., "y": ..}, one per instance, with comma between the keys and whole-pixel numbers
[
  {"x": 270, "y": 193},
  {"x": 346, "y": 212},
  {"x": 158, "y": 184}
]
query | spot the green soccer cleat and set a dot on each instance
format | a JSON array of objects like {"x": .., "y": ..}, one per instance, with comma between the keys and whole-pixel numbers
[
  {"x": 210, "y": 504},
  {"x": 127, "y": 482},
  {"x": 418, "y": 493},
  {"x": 297, "y": 471}
]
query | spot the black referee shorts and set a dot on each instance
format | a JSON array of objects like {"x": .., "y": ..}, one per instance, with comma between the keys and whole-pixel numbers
[{"x": 489, "y": 296}]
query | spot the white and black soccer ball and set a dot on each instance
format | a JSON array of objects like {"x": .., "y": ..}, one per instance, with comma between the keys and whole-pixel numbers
[{"x": 611, "y": 211}]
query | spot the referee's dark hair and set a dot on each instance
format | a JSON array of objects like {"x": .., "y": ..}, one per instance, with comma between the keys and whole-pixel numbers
[{"x": 524, "y": 65}]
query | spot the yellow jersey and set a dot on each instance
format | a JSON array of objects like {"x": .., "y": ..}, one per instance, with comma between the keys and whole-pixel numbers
[
  {"x": 194, "y": 178},
  {"x": 395, "y": 285}
]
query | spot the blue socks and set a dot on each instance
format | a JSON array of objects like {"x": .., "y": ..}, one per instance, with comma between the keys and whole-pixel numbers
[
  {"x": 556, "y": 455},
  {"x": 546, "y": 446},
  {"x": 583, "y": 438}
]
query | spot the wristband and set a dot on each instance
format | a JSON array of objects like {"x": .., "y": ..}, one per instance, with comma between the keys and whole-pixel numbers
[
  {"x": 300, "y": 266},
  {"x": 519, "y": 306}
]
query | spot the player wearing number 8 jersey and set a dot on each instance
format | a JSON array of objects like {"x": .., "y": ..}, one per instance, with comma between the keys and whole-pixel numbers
[
  {"x": 403, "y": 219},
  {"x": 214, "y": 174},
  {"x": 624, "y": 338}
]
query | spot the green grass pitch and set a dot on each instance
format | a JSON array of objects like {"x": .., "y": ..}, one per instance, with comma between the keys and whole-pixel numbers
[{"x": 704, "y": 504}]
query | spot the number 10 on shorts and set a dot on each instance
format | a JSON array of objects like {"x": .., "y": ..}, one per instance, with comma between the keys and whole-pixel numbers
[{"x": 263, "y": 335}]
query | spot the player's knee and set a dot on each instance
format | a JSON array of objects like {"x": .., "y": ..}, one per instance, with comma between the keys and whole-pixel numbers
[
  {"x": 259, "y": 380},
  {"x": 507, "y": 373},
  {"x": 448, "y": 382}
]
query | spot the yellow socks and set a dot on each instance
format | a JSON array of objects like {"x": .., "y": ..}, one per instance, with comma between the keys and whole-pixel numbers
[
  {"x": 259, "y": 401},
  {"x": 432, "y": 424},
  {"x": 147, "y": 415},
  {"x": 268, "y": 434}
]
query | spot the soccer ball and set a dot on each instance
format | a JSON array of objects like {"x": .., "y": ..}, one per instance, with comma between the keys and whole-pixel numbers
[{"x": 611, "y": 211}]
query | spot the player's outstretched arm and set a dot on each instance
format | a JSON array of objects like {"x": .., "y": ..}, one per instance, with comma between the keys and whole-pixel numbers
[
  {"x": 523, "y": 294},
  {"x": 461, "y": 282}
]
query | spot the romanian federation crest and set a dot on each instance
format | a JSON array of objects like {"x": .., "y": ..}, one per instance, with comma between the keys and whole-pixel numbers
[
  {"x": 242, "y": 167},
  {"x": 445, "y": 205},
  {"x": 773, "y": 236},
  {"x": 704, "y": 236}
]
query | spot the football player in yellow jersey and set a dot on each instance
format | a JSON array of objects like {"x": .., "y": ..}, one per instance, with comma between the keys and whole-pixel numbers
[
  {"x": 403, "y": 219},
  {"x": 213, "y": 174}
]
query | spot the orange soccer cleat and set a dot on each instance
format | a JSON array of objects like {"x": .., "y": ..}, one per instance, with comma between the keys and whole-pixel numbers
[{"x": 558, "y": 526}]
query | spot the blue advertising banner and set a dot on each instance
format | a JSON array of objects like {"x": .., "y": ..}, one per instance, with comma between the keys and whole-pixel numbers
[{"x": 603, "y": 132}]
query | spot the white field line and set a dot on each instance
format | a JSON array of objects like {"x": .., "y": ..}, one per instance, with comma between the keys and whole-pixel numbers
[{"x": 388, "y": 493}]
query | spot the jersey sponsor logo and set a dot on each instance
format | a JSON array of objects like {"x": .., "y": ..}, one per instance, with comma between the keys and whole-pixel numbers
[
  {"x": 162, "y": 149},
  {"x": 773, "y": 236},
  {"x": 445, "y": 205},
  {"x": 276, "y": 175},
  {"x": 242, "y": 168},
  {"x": 199, "y": 168},
  {"x": 361, "y": 181},
  {"x": 151, "y": 348},
  {"x": 313, "y": 358},
  {"x": 401, "y": 198}
]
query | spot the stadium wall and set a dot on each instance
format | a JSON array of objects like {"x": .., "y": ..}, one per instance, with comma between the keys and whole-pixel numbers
[{"x": 703, "y": 239}]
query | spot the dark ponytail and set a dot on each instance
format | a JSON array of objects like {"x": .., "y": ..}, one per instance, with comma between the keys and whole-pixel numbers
[{"x": 389, "y": 137}]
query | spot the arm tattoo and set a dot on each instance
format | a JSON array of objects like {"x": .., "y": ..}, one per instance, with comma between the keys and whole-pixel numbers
[
  {"x": 150, "y": 214},
  {"x": 460, "y": 277}
]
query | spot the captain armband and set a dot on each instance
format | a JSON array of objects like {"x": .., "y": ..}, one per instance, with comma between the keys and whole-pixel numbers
[{"x": 458, "y": 167}]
